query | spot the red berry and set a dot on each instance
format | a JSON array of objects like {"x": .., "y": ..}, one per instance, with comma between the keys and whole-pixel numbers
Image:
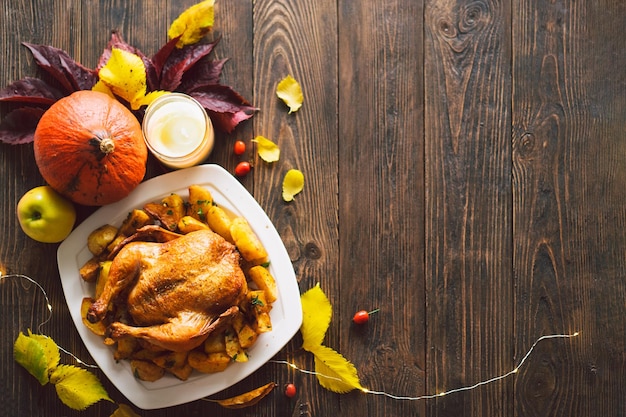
[
  {"x": 242, "y": 169},
  {"x": 362, "y": 317},
  {"x": 239, "y": 148},
  {"x": 290, "y": 390}
]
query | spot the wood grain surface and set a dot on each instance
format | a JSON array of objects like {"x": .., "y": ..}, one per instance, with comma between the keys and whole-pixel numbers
[{"x": 465, "y": 167}]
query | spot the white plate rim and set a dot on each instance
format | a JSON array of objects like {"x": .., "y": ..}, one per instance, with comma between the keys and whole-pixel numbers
[{"x": 227, "y": 191}]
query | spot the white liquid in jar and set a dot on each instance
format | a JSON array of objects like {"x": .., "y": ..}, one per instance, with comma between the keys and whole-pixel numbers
[{"x": 176, "y": 128}]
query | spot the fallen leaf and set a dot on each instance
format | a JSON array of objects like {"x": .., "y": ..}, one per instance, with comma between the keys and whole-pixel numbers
[
  {"x": 124, "y": 410},
  {"x": 30, "y": 90},
  {"x": 77, "y": 388},
  {"x": 69, "y": 73},
  {"x": 29, "y": 353},
  {"x": 225, "y": 106},
  {"x": 290, "y": 92},
  {"x": 267, "y": 150},
  {"x": 18, "y": 127},
  {"x": 192, "y": 24},
  {"x": 247, "y": 399},
  {"x": 125, "y": 74},
  {"x": 181, "y": 60},
  {"x": 293, "y": 183},
  {"x": 316, "y": 315},
  {"x": 335, "y": 372}
]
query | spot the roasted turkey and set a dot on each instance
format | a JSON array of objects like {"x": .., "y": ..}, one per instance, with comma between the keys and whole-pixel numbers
[{"x": 177, "y": 291}]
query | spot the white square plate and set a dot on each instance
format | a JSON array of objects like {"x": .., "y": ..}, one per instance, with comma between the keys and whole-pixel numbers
[{"x": 228, "y": 193}]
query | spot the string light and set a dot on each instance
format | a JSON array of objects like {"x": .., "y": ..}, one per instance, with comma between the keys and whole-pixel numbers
[
  {"x": 305, "y": 371},
  {"x": 49, "y": 306},
  {"x": 444, "y": 393}
]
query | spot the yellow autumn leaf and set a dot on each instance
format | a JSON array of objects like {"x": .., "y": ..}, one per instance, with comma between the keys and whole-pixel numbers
[
  {"x": 316, "y": 314},
  {"x": 33, "y": 356},
  {"x": 77, "y": 388},
  {"x": 293, "y": 183},
  {"x": 335, "y": 372},
  {"x": 101, "y": 87},
  {"x": 193, "y": 23},
  {"x": 125, "y": 75},
  {"x": 290, "y": 92},
  {"x": 124, "y": 410},
  {"x": 267, "y": 150}
]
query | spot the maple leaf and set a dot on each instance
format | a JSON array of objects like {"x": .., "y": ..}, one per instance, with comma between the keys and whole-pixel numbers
[{"x": 193, "y": 23}]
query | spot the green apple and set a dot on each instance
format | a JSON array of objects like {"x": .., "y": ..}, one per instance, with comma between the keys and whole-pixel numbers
[{"x": 45, "y": 215}]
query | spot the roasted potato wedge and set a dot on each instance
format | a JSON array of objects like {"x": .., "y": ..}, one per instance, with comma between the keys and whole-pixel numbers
[
  {"x": 200, "y": 200},
  {"x": 188, "y": 224},
  {"x": 219, "y": 221},
  {"x": 168, "y": 212},
  {"x": 247, "y": 242},
  {"x": 99, "y": 239},
  {"x": 208, "y": 362},
  {"x": 264, "y": 281},
  {"x": 146, "y": 370}
]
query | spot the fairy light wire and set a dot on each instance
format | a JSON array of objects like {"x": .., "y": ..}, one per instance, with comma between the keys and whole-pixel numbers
[
  {"x": 49, "y": 307},
  {"x": 318, "y": 374},
  {"x": 444, "y": 393}
]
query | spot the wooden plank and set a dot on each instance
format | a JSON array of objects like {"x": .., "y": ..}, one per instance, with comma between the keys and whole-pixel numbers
[
  {"x": 299, "y": 39},
  {"x": 568, "y": 199},
  {"x": 468, "y": 209},
  {"x": 381, "y": 201}
]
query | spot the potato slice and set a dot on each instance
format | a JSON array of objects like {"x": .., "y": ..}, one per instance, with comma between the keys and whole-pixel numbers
[
  {"x": 264, "y": 281},
  {"x": 219, "y": 221},
  {"x": 208, "y": 362},
  {"x": 247, "y": 241},
  {"x": 200, "y": 200},
  {"x": 215, "y": 343},
  {"x": 146, "y": 371},
  {"x": 136, "y": 219},
  {"x": 90, "y": 270},
  {"x": 188, "y": 224},
  {"x": 100, "y": 238}
]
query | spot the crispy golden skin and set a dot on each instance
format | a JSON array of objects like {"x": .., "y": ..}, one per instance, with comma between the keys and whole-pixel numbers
[{"x": 177, "y": 292}]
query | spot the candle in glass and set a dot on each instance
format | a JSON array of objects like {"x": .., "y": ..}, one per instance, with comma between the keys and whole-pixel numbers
[{"x": 178, "y": 131}]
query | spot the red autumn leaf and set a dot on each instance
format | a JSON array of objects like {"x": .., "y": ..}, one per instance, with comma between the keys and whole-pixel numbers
[
  {"x": 201, "y": 75},
  {"x": 18, "y": 127},
  {"x": 179, "y": 61},
  {"x": 224, "y": 105},
  {"x": 30, "y": 90},
  {"x": 69, "y": 73},
  {"x": 160, "y": 58}
]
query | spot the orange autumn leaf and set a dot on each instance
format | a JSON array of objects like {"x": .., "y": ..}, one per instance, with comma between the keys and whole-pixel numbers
[
  {"x": 247, "y": 399},
  {"x": 193, "y": 23},
  {"x": 290, "y": 92}
]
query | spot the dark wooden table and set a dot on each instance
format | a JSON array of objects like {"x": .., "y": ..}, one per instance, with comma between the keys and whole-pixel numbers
[{"x": 465, "y": 166}]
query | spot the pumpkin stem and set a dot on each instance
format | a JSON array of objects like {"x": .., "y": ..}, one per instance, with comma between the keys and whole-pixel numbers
[{"x": 107, "y": 145}]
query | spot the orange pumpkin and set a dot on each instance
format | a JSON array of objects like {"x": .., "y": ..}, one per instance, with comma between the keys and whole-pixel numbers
[{"x": 90, "y": 148}]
